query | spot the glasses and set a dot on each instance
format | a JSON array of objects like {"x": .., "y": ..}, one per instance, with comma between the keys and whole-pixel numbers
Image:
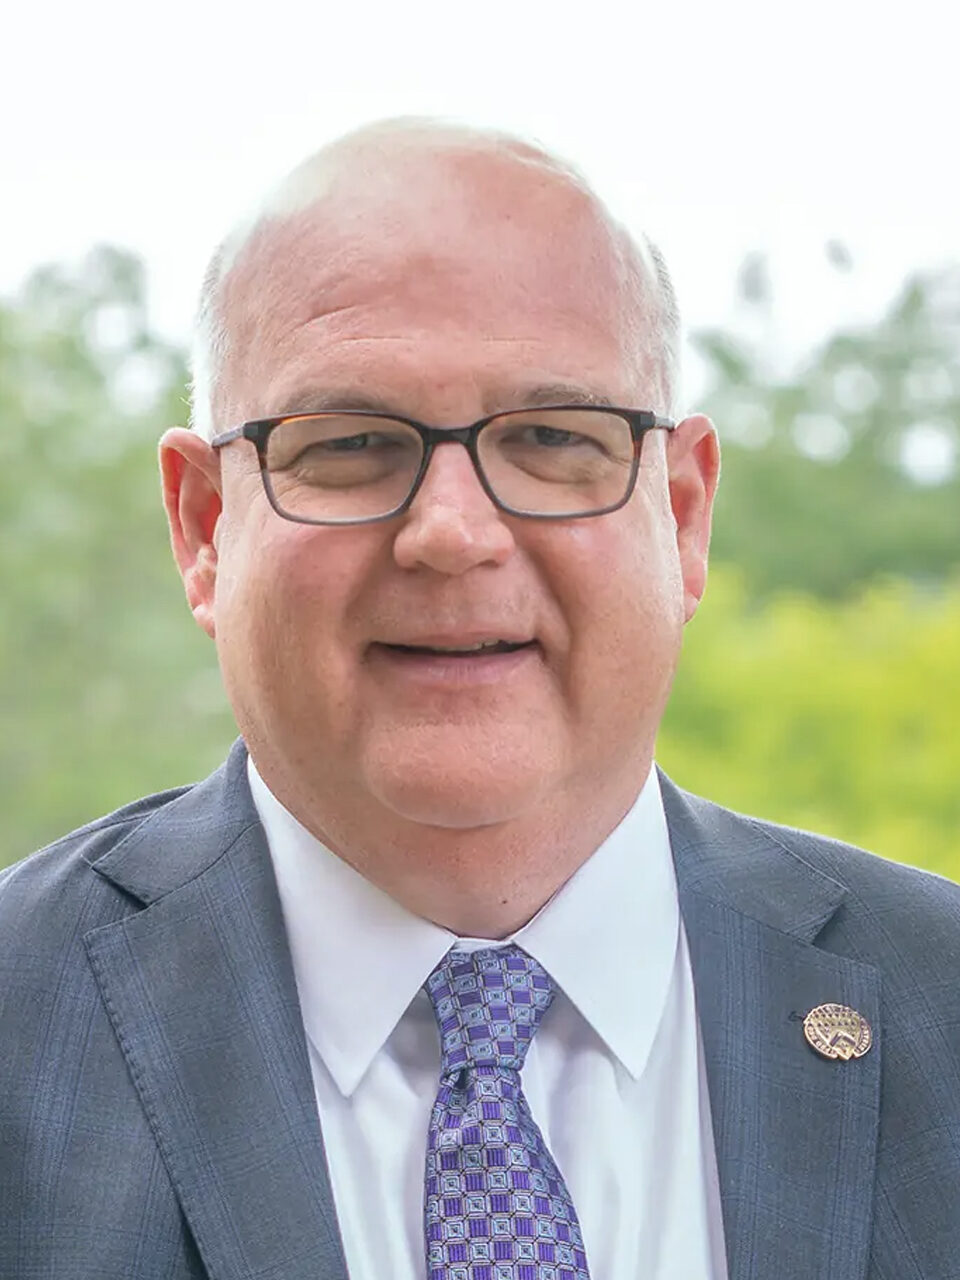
[{"x": 348, "y": 466}]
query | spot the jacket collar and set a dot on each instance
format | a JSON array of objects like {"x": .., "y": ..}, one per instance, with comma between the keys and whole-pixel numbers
[
  {"x": 737, "y": 862},
  {"x": 185, "y": 837}
]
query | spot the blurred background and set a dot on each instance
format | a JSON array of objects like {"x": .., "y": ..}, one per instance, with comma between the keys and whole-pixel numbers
[{"x": 798, "y": 171}]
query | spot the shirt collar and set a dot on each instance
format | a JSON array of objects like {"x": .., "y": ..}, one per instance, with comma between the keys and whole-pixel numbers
[{"x": 615, "y": 921}]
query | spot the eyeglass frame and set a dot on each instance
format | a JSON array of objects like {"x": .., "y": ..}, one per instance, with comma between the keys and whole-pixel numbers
[{"x": 257, "y": 431}]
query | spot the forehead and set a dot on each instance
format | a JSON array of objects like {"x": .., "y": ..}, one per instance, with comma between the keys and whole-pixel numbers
[{"x": 472, "y": 261}]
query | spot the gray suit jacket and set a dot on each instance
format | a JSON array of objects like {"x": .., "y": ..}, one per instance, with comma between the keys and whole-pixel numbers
[{"x": 157, "y": 1118}]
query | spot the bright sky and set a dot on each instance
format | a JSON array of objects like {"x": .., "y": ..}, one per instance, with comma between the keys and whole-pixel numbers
[{"x": 721, "y": 128}]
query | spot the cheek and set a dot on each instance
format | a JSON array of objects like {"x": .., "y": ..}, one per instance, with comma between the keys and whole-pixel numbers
[
  {"x": 284, "y": 605},
  {"x": 623, "y": 600}
]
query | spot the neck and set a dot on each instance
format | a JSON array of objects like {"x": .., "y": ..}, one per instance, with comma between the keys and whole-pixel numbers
[{"x": 480, "y": 882}]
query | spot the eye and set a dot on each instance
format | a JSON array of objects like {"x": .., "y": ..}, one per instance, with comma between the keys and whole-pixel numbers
[
  {"x": 540, "y": 435},
  {"x": 551, "y": 439},
  {"x": 346, "y": 444},
  {"x": 363, "y": 442},
  {"x": 556, "y": 437}
]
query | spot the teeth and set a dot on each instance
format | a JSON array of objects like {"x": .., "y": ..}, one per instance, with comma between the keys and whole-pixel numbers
[
  {"x": 469, "y": 648},
  {"x": 501, "y": 646}
]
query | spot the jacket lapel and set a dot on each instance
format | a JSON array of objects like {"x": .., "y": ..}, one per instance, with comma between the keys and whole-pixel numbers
[
  {"x": 200, "y": 990},
  {"x": 796, "y": 1134}
]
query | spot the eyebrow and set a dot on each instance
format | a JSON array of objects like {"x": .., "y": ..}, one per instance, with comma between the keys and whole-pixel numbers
[
  {"x": 323, "y": 399},
  {"x": 562, "y": 393}
]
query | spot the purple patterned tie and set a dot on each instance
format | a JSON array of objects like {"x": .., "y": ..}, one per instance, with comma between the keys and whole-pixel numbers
[{"x": 495, "y": 1206}]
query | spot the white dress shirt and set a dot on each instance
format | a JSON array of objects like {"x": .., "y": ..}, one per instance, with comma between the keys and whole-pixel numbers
[{"x": 614, "y": 1076}]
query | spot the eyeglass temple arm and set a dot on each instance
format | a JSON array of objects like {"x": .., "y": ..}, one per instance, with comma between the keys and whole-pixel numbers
[
  {"x": 650, "y": 422},
  {"x": 225, "y": 437}
]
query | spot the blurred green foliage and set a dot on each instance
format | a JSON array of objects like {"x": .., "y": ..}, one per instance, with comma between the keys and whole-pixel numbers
[
  {"x": 819, "y": 685},
  {"x": 845, "y": 470},
  {"x": 837, "y": 717},
  {"x": 107, "y": 688}
]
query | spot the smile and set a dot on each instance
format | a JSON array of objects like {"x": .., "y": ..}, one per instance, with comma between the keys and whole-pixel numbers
[
  {"x": 463, "y": 651},
  {"x": 452, "y": 668}
]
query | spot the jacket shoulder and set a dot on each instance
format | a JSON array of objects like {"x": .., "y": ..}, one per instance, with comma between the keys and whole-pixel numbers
[
  {"x": 44, "y": 893},
  {"x": 889, "y": 911},
  {"x": 877, "y": 887}
]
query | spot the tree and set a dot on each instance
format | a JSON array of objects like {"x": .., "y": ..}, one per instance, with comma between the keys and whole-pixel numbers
[
  {"x": 847, "y": 471},
  {"x": 105, "y": 679}
]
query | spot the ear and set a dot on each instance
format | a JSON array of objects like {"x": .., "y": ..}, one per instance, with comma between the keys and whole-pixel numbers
[
  {"x": 693, "y": 469},
  {"x": 192, "y": 496}
]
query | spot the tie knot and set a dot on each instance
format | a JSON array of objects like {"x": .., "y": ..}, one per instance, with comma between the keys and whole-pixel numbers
[{"x": 488, "y": 1004}]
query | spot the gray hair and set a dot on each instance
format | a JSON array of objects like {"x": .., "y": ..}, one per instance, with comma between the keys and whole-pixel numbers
[{"x": 658, "y": 344}]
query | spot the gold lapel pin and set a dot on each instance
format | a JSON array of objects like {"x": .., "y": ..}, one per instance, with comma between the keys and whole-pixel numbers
[{"x": 835, "y": 1031}]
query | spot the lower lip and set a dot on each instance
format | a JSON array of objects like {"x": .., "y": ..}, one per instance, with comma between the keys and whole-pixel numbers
[{"x": 447, "y": 671}]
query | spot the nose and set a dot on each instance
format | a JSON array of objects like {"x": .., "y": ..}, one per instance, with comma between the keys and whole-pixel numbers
[{"x": 452, "y": 526}]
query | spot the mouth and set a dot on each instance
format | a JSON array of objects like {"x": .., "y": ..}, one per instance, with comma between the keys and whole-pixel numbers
[
  {"x": 454, "y": 665},
  {"x": 481, "y": 648}
]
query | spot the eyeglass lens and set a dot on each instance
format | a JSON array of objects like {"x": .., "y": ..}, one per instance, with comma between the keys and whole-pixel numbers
[{"x": 353, "y": 467}]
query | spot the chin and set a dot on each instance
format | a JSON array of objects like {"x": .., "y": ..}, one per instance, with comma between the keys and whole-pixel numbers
[{"x": 461, "y": 789}]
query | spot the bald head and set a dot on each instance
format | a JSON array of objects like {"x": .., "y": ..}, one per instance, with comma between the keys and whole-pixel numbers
[{"x": 419, "y": 192}]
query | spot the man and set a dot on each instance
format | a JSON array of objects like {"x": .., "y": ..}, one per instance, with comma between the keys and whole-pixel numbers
[{"x": 438, "y": 976}]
